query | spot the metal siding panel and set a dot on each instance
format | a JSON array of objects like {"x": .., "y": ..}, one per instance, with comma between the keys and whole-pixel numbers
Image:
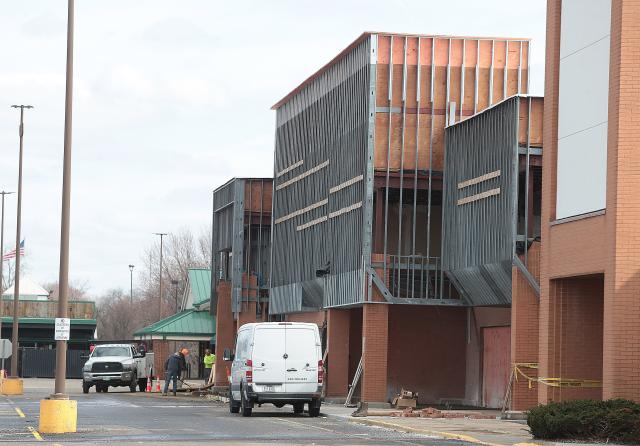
[
  {"x": 479, "y": 237},
  {"x": 327, "y": 121}
]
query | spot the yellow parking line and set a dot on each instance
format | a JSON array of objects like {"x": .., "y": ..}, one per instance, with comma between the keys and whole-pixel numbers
[
  {"x": 35, "y": 433},
  {"x": 20, "y": 413}
]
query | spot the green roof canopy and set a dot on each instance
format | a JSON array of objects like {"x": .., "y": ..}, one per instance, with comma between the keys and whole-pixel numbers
[
  {"x": 200, "y": 283},
  {"x": 186, "y": 323}
]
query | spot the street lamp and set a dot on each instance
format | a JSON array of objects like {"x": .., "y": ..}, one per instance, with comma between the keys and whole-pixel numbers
[
  {"x": 175, "y": 287},
  {"x": 161, "y": 234},
  {"x": 131, "y": 295},
  {"x": 3, "y": 193},
  {"x": 16, "y": 281},
  {"x": 63, "y": 280}
]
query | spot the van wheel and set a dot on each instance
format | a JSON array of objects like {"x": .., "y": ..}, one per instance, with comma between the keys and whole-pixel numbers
[
  {"x": 314, "y": 408},
  {"x": 234, "y": 406},
  {"x": 244, "y": 405},
  {"x": 298, "y": 408}
]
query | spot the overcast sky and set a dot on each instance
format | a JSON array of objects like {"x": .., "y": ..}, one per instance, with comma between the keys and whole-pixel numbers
[{"x": 171, "y": 99}]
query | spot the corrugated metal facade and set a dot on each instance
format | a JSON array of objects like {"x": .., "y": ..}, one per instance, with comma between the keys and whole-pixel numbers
[
  {"x": 241, "y": 237},
  {"x": 320, "y": 169},
  {"x": 481, "y": 196},
  {"x": 370, "y": 126}
]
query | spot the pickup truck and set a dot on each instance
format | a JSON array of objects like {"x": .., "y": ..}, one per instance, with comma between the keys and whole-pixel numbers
[{"x": 116, "y": 365}]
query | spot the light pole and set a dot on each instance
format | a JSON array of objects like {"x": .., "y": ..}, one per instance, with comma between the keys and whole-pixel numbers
[
  {"x": 63, "y": 281},
  {"x": 3, "y": 193},
  {"x": 161, "y": 234},
  {"x": 16, "y": 281},
  {"x": 175, "y": 287},
  {"x": 131, "y": 295}
]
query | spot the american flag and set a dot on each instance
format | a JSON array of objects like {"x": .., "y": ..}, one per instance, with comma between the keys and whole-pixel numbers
[{"x": 12, "y": 254}]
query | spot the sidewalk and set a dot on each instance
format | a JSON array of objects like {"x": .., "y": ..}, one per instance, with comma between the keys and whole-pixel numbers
[{"x": 486, "y": 432}]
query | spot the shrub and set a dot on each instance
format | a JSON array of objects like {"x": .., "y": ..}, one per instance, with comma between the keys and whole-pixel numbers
[{"x": 616, "y": 421}]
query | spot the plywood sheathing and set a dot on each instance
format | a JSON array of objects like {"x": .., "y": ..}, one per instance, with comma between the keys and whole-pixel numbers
[
  {"x": 257, "y": 195},
  {"x": 535, "y": 123},
  {"x": 397, "y": 117}
]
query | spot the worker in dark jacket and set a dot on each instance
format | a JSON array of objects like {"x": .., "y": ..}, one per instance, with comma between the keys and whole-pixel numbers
[{"x": 173, "y": 367}]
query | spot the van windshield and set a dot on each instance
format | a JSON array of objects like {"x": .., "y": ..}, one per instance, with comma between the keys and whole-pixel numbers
[
  {"x": 100, "y": 352},
  {"x": 301, "y": 343}
]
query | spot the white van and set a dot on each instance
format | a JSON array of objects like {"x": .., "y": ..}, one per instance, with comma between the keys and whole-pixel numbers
[{"x": 278, "y": 363}]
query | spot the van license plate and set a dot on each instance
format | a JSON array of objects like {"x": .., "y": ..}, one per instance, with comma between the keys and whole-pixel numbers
[{"x": 269, "y": 388}]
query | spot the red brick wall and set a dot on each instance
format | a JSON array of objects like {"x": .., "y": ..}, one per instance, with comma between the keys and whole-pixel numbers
[
  {"x": 160, "y": 354},
  {"x": 524, "y": 332},
  {"x": 375, "y": 331},
  {"x": 622, "y": 283},
  {"x": 338, "y": 348},
  {"x": 606, "y": 243},
  {"x": 426, "y": 351},
  {"x": 225, "y": 331},
  {"x": 316, "y": 317},
  {"x": 577, "y": 322}
]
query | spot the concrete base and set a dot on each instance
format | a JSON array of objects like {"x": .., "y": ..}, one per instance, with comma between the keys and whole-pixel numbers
[
  {"x": 11, "y": 386},
  {"x": 58, "y": 416}
]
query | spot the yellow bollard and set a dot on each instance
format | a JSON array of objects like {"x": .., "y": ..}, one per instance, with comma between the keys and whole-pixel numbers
[
  {"x": 11, "y": 386},
  {"x": 58, "y": 416}
]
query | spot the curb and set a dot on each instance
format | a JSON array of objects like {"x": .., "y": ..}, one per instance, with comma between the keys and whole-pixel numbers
[{"x": 400, "y": 427}]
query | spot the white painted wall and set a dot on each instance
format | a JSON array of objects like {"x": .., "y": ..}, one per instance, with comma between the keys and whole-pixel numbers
[{"x": 583, "y": 107}]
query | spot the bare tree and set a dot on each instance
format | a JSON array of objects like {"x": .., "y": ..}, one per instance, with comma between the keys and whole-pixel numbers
[
  {"x": 77, "y": 290},
  {"x": 117, "y": 316}
]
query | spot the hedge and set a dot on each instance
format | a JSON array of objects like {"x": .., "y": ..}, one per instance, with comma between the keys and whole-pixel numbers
[{"x": 615, "y": 421}]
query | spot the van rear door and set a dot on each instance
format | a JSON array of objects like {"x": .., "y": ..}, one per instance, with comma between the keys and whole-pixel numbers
[
  {"x": 268, "y": 358},
  {"x": 303, "y": 353}
]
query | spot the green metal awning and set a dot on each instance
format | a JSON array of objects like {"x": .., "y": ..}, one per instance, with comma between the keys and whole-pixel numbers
[
  {"x": 187, "y": 323},
  {"x": 200, "y": 283},
  {"x": 46, "y": 321}
]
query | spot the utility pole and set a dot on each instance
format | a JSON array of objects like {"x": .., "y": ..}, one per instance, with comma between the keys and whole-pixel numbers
[
  {"x": 131, "y": 295},
  {"x": 16, "y": 281},
  {"x": 63, "y": 281},
  {"x": 161, "y": 234},
  {"x": 3, "y": 193},
  {"x": 175, "y": 288}
]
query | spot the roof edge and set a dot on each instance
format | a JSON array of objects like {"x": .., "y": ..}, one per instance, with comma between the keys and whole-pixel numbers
[{"x": 363, "y": 36}]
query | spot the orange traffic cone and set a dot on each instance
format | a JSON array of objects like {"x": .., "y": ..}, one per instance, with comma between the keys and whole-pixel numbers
[
  {"x": 149, "y": 384},
  {"x": 158, "y": 385}
]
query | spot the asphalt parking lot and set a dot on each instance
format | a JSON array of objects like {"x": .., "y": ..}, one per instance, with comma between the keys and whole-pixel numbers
[{"x": 120, "y": 417}]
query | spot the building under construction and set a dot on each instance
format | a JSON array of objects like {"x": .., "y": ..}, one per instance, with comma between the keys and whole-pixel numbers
[
  {"x": 413, "y": 284},
  {"x": 241, "y": 247}
]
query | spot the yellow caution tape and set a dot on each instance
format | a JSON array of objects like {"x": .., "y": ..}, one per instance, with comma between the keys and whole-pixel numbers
[{"x": 552, "y": 382}]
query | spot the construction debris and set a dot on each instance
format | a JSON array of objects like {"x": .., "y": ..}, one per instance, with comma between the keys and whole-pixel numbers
[{"x": 406, "y": 399}]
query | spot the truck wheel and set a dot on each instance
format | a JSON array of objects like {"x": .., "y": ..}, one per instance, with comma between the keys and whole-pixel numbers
[
  {"x": 298, "y": 408},
  {"x": 133, "y": 384},
  {"x": 246, "y": 407},
  {"x": 314, "y": 408},
  {"x": 142, "y": 384},
  {"x": 234, "y": 406},
  {"x": 85, "y": 387}
]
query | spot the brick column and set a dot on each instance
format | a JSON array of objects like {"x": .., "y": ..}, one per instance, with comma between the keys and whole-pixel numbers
[
  {"x": 338, "y": 348},
  {"x": 375, "y": 341},
  {"x": 524, "y": 332},
  {"x": 225, "y": 331},
  {"x": 249, "y": 296},
  {"x": 621, "y": 348}
]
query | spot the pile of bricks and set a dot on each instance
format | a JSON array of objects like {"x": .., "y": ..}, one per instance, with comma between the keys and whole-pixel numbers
[{"x": 430, "y": 412}]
